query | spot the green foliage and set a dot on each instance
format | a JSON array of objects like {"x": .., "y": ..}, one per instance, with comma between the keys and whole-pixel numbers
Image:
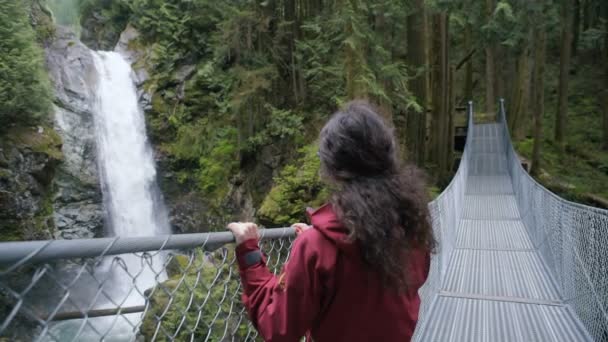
[
  {"x": 297, "y": 186},
  {"x": 283, "y": 125},
  {"x": 25, "y": 92},
  {"x": 217, "y": 167},
  {"x": 344, "y": 55}
]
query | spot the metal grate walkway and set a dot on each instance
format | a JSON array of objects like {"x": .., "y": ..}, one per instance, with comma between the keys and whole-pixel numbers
[{"x": 496, "y": 286}]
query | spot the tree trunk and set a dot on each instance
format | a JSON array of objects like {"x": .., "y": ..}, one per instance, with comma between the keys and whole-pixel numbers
[
  {"x": 439, "y": 127},
  {"x": 353, "y": 59},
  {"x": 500, "y": 73},
  {"x": 539, "y": 98},
  {"x": 576, "y": 26},
  {"x": 564, "y": 69},
  {"x": 468, "y": 73},
  {"x": 606, "y": 113},
  {"x": 605, "y": 11},
  {"x": 586, "y": 14},
  {"x": 290, "y": 17},
  {"x": 415, "y": 139},
  {"x": 521, "y": 94},
  {"x": 490, "y": 66},
  {"x": 380, "y": 27},
  {"x": 450, "y": 124}
]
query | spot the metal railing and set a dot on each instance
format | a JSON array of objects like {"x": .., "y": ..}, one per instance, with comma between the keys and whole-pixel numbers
[
  {"x": 572, "y": 239},
  {"x": 446, "y": 211},
  {"x": 166, "y": 288}
]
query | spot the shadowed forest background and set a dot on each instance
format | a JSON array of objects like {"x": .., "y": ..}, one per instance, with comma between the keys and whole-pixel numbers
[{"x": 236, "y": 92}]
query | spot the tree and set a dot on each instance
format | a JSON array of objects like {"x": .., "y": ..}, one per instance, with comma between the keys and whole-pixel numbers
[
  {"x": 521, "y": 91},
  {"x": 440, "y": 78},
  {"x": 605, "y": 97},
  {"x": 539, "y": 94},
  {"x": 24, "y": 86},
  {"x": 468, "y": 83},
  {"x": 354, "y": 48},
  {"x": 576, "y": 25},
  {"x": 416, "y": 53},
  {"x": 490, "y": 65},
  {"x": 564, "y": 70}
]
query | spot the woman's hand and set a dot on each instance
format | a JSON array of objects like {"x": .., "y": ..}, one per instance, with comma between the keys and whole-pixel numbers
[
  {"x": 300, "y": 227},
  {"x": 244, "y": 231}
]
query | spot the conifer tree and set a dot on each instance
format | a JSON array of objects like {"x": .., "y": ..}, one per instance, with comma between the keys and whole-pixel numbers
[{"x": 24, "y": 87}]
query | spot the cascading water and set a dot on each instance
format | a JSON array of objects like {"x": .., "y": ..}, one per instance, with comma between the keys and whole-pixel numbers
[
  {"x": 127, "y": 170},
  {"x": 132, "y": 200},
  {"x": 125, "y": 157}
]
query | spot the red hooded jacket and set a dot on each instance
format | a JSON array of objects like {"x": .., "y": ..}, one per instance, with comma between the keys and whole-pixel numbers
[{"x": 326, "y": 292}]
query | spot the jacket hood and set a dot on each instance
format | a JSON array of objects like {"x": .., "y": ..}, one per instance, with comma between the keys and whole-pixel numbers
[{"x": 325, "y": 220}]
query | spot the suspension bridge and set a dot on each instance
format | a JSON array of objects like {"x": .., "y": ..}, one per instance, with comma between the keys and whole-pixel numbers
[{"x": 515, "y": 263}]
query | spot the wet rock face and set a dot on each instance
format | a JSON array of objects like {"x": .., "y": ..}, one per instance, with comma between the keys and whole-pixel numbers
[
  {"x": 25, "y": 187},
  {"x": 78, "y": 210},
  {"x": 140, "y": 57}
]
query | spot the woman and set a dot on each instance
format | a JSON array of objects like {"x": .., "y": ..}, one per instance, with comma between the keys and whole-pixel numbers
[{"x": 355, "y": 275}]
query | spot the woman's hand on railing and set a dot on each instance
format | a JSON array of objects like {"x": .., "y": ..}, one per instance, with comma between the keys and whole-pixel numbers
[
  {"x": 244, "y": 231},
  {"x": 300, "y": 227}
]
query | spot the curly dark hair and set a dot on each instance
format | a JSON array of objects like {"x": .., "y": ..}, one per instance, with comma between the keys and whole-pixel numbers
[{"x": 381, "y": 202}]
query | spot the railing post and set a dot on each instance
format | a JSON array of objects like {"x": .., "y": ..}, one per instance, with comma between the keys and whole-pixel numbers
[{"x": 470, "y": 111}]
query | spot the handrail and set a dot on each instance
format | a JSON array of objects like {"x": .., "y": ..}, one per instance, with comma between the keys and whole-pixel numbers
[
  {"x": 571, "y": 238},
  {"x": 43, "y": 251}
]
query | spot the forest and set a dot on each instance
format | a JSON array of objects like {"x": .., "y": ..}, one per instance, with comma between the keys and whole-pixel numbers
[
  {"x": 232, "y": 95},
  {"x": 238, "y": 90}
]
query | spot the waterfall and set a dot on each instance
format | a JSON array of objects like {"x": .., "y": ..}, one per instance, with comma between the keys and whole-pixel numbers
[
  {"x": 126, "y": 161},
  {"x": 132, "y": 201}
]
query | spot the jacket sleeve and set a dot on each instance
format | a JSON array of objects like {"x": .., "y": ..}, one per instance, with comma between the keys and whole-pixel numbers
[{"x": 282, "y": 307}]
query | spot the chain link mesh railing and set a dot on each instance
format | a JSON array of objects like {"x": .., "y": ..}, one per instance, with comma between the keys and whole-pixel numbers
[
  {"x": 446, "y": 211},
  {"x": 172, "y": 288},
  {"x": 571, "y": 237}
]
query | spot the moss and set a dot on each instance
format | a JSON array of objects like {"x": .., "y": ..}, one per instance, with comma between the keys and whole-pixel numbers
[
  {"x": 177, "y": 265},
  {"x": 42, "y": 221},
  {"x": 42, "y": 21},
  {"x": 47, "y": 141},
  {"x": 5, "y": 173},
  {"x": 297, "y": 186},
  {"x": 10, "y": 231},
  {"x": 434, "y": 191}
]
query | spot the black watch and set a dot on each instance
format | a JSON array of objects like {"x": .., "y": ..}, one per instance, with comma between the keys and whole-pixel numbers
[{"x": 253, "y": 257}]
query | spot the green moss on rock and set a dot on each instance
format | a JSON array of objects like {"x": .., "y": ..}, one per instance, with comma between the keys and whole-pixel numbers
[
  {"x": 41, "y": 140},
  {"x": 297, "y": 186}
]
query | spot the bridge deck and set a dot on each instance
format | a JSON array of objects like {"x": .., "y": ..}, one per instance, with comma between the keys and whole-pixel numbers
[{"x": 497, "y": 286}]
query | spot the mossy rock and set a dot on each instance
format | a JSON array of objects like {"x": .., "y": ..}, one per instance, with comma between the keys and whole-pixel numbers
[
  {"x": 298, "y": 186},
  {"x": 40, "y": 139}
]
